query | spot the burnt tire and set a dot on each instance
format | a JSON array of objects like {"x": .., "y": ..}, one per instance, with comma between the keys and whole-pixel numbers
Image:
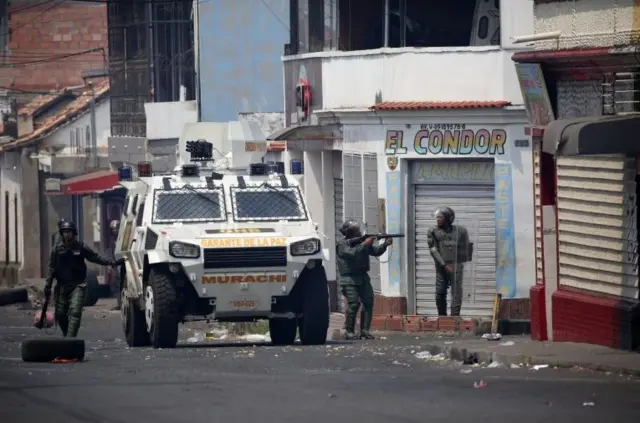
[
  {"x": 163, "y": 328},
  {"x": 314, "y": 323},
  {"x": 13, "y": 296},
  {"x": 283, "y": 331},
  {"x": 45, "y": 350},
  {"x": 93, "y": 288},
  {"x": 134, "y": 325}
]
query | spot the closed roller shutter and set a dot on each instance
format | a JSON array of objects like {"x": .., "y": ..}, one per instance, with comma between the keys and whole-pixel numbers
[
  {"x": 597, "y": 225},
  {"x": 339, "y": 217},
  {"x": 474, "y": 207}
]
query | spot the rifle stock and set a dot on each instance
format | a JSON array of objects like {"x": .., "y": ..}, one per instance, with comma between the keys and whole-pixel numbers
[{"x": 360, "y": 239}]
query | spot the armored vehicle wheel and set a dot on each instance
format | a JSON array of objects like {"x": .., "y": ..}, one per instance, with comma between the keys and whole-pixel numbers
[
  {"x": 133, "y": 323},
  {"x": 45, "y": 350},
  {"x": 314, "y": 323},
  {"x": 283, "y": 331},
  {"x": 160, "y": 309},
  {"x": 91, "y": 297}
]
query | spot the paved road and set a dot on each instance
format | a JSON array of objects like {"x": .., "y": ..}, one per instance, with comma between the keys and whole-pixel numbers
[{"x": 376, "y": 381}]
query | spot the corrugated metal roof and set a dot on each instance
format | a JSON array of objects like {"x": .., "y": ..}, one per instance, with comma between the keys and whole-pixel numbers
[
  {"x": 58, "y": 117},
  {"x": 428, "y": 105}
]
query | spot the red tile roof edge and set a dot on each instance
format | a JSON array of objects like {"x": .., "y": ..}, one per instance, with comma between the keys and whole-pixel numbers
[{"x": 431, "y": 105}]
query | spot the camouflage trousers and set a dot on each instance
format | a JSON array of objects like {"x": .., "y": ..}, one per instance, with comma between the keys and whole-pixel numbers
[
  {"x": 69, "y": 300},
  {"x": 356, "y": 291},
  {"x": 444, "y": 280}
]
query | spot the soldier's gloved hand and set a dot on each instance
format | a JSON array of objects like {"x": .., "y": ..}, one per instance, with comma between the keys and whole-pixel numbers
[
  {"x": 388, "y": 241},
  {"x": 369, "y": 240},
  {"x": 47, "y": 291}
]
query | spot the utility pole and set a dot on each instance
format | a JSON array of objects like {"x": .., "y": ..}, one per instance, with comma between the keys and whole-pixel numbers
[
  {"x": 100, "y": 73},
  {"x": 94, "y": 130}
]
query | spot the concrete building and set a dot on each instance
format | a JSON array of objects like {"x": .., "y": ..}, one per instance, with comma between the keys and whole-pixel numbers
[
  {"x": 581, "y": 89},
  {"x": 37, "y": 171},
  {"x": 391, "y": 124}
]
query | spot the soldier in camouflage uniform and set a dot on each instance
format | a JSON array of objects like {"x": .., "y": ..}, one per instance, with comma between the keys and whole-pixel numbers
[
  {"x": 450, "y": 248},
  {"x": 67, "y": 266},
  {"x": 352, "y": 255}
]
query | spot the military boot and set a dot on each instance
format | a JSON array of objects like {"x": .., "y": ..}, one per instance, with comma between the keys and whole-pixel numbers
[
  {"x": 349, "y": 326},
  {"x": 441, "y": 304},
  {"x": 365, "y": 325}
]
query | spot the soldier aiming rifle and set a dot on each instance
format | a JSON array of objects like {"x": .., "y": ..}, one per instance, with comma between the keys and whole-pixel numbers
[{"x": 352, "y": 255}]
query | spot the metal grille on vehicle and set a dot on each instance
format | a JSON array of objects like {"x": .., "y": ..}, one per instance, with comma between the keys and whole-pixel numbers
[{"x": 219, "y": 258}]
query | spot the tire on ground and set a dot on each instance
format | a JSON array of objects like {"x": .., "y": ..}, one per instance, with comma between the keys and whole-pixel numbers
[
  {"x": 314, "y": 323},
  {"x": 283, "y": 331},
  {"x": 135, "y": 327},
  {"x": 13, "y": 295},
  {"x": 164, "y": 328},
  {"x": 45, "y": 350},
  {"x": 91, "y": 297}
]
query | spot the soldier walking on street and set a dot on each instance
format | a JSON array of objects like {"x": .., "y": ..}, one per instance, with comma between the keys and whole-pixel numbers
[
  {"x": 352, "y": 255},
  {"x": 67, "y": 265},
  {"x": 450, "y": 247}
]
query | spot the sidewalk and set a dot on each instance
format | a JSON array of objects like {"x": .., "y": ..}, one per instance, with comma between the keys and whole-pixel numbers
[{"x": 522, "y": 350}]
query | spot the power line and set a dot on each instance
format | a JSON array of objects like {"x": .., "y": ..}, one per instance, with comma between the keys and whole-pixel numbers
[
  {"x": 44, "y": 92},
  {"x": 31, "y": 6},
  {"x": 18, "y": 26},
  {"x": 57, "y": 58}
]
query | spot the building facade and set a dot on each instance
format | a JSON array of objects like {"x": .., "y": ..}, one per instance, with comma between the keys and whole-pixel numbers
[
  {"x": 581, "y": 88},
  {"x": 54, "y": 144},
  {"x": 239, "y": 45},
  {"x": 392, "y": 124}
]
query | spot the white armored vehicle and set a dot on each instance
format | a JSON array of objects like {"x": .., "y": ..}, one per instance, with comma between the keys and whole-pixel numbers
[{"x": 224, "y": 238}]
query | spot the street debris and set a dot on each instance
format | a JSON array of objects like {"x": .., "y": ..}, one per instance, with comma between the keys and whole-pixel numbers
[
  {"x": 507, "y": 344},
  {"x": 539, "y": 366},
  {"x": 332, "y": 395},
  {"x": 426, "y": 355},
  {"x": 256, "y": 337},
  {"x": 514, "y": 366},
  {"x": 480, "y": 384},
  {"x": 496, "y": 365},
  {"x": 492, "y": 336},
  {"x": 588, "y": 404},
  {"x": 465, "y": 371}
]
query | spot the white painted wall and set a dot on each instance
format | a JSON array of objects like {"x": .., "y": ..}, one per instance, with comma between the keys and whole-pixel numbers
[
  {"x": 165, "y": 120},
  {"x": 11, "y": 183},
  {"x": 367, "y": 134},
  {"x": 61, "y": 137},
  {"x": 587, "y": 23},
  {"x": 352, "y": 79}
]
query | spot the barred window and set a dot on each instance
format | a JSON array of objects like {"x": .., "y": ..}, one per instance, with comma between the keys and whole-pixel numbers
[
  {"x": 193, "y": 205},
  {"x": 267, "y": 204}
]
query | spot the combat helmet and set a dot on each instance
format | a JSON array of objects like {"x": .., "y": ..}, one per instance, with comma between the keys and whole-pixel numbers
[
  {"x": 68, "y": 226},
  {"x": 349, "y": 226},
  {"x": 448, "y": 214}
]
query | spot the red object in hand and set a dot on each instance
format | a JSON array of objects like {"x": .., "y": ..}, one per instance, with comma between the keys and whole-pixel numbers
[{"x": 48, "y": 321}]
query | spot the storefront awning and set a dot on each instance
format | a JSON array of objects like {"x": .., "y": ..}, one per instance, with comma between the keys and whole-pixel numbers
[
  {"x": 592, "y": 135},
  {"x": 92, "y": 183},
  {"x": 307, "y": 133}
]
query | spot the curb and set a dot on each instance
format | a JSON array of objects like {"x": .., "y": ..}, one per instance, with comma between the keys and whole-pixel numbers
[{"x": 468, "y": 356}]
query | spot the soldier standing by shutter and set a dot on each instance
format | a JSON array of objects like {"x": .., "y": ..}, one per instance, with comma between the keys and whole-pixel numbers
[{"x": 450, "y": 248}]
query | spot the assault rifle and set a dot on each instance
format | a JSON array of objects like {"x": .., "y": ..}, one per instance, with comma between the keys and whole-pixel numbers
[{"x": 359, "y": 240}]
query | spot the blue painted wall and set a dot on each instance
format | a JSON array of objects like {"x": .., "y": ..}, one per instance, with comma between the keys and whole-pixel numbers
[{"x": 241, "y": 43}]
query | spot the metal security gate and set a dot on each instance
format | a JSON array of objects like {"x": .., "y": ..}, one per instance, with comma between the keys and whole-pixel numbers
[
  {"x": 339, "y": 205},
  {"x": 474, "y": 207},
  {"x": 371, "y": 210},
  {"x": 597, "y": 224}
]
